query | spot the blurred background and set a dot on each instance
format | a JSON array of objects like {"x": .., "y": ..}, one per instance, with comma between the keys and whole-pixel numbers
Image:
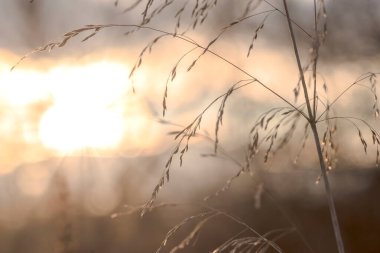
[{"x": 84, "y": 145}]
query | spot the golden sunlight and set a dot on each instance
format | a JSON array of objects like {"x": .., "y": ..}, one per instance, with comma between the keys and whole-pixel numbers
[
  {"x": 86, "y": 112},
  {"x": 73, "y": 128},
  {"x": 52, "y": 109},
  {"x": 17, "y": 88}
]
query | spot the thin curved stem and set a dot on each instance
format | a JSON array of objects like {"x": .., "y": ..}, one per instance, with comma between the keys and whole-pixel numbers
[
  {"x": 365, "y": 76},
  {"x": 315, "y": 59},
  {"x": 181, "y": 37},
  {"x": 350, "y": 118},
  {"x": 284, "y": 14},
  {"x": 295, "y": 48},
  {"x": 231, "y": 217}
]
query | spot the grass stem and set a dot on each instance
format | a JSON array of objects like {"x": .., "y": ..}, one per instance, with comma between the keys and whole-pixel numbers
[{"x": 312, "y": 121}]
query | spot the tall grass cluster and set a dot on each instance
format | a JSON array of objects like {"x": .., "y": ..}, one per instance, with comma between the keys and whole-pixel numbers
[{"x": 312, "y": 108}]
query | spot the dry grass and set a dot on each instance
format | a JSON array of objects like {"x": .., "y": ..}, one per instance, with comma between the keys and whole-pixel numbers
[{"x": 272, "y": 131}]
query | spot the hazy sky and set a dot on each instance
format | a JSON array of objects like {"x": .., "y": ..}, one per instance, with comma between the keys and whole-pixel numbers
[
  {"x": 91, "y": 78},
  {"x": 81, "y": 70},
  {"x": 80, "y": 95},
  {"x": 25, "y": 26},
  {"x": 80, "y": 138}
]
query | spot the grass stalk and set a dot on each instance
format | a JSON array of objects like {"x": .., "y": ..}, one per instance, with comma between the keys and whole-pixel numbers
[
  {"x": 312, "y": 121},
  {"x": 315, "y": 59}
]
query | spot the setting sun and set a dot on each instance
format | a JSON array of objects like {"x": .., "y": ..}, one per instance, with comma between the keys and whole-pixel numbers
[
  {"x": 70, "y": 129},
  {"x": 70, "y": 107},
  {"x": 85, "y": 111}
]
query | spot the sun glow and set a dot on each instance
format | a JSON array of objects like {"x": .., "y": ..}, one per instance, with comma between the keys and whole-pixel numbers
[
  {"x": 18, "y": 89},
  {"x": 70, "y": 129},
  {"x": 72, "y": 108},
  {"x": 86, "y": 111}
]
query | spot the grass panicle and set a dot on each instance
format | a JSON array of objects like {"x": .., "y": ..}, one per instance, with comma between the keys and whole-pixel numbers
[
  {"x": 248, "y": 238},
  {"x": 271, "y": 132},
  {"x": 129, "y": 209},
  {"x": 204, "y": 217}
]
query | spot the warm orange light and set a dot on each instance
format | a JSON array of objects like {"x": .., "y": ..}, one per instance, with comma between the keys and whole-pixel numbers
[
  {"x": 67, "y": 107},
  {"x": 22, "y": 87},
  {"x": 86, "y": 111},
  {"x": 69, "y": 129}
]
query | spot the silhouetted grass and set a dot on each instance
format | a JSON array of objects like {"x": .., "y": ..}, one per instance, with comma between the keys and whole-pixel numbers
[{"x": 272, "y": 131}]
